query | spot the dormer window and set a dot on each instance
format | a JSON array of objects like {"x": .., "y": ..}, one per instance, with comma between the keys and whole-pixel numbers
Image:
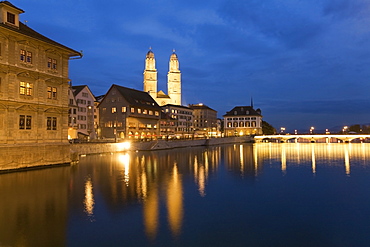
[{"x": 10, "y": 18}]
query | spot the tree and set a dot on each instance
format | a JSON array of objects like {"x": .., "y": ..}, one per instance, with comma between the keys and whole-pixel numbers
[{"x": 267, "y": 128}]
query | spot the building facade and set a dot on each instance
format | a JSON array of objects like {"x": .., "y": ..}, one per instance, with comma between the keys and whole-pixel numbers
[
  {"x": 85, "y": 112},
  {"x": 243, "y": 120},
  {"x": 173, "y": 80},
  {"x": 126, "y": 113},
  {"x": 205, "y": 120},
  {"x": 33, "y": 83},
  {"x": 182, "y": 117}
]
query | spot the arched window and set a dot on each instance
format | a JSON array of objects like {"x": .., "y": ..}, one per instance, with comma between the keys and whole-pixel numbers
[
  {"x": 247, "y": 124},
  {"x": 235, "y": 124},
  {"x": 229, "y": 124},
  {"x": 241, "y": 124},
  {"x": 253, "y": 123}
]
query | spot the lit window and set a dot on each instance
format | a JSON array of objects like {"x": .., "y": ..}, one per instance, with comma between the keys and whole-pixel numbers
[
  {"x": 139, "y": 110},
  {"x": 132, "y": 110},
  {"x": 145, "y": 112},
  {"x": 157, "y": 113},
  {"x": 114, "y": 109},
  {"x": 25, "y": 88},
  {"x": 123, "y": 108},
  {"x": 23, "y": 55},
  {"x": 150, "y": 112},
  {"x": 49, "y": 92},
  {"x": 54, "y": 93},
  {"x": 29, "y": 57}
]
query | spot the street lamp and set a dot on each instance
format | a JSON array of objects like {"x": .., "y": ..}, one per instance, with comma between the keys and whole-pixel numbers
[
  {"x": 312, "y": 129},
  {"x": 345, "y": 128},
  {"x": 282, "y": 129}
]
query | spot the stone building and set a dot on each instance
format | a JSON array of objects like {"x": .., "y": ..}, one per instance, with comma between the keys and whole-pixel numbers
[
  {"x": 205, "y": 120},
  {"x": 183, "y": 120},
  {"x": 243, "y": 120},
  {"x": 33, "y": 90},
  {"x": 85, "y": 112},
  {"x": 173, "y": 80},
  {"x": 127, "y": 113},
  {"x": 72, "y": 115}
]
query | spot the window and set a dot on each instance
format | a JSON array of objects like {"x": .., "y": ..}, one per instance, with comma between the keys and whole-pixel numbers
[
  {"x": 54, "y": 65},
  {"x": 86, "y": 95},
  {"x": 48, "y": 123},
  {"x": 132, "y": 110},
  {"x": 139, "y": 110},
  {"x": 29, "y": 57},
  {"x": 157, "y": 113},
  {"x": 25, "y": 122},
  {"x": 49, "y": 92},
  {"x": 25, "y": 88},
  {"x": 54, "y": 93},
  {"x": 23, "y": 55},
  {"x": 10, "y": 18},
  {"x": 114, "y": 109},
  {"x": 54, "y": 123},
  {"x": 145, "y": 112},
  {"x": 22, "y": 119},
  {"x": 123, "y": 108}
]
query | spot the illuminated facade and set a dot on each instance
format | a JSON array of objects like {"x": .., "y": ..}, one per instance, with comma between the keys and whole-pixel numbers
[
  {"x": 173, "y": 80},
  {"x": 243, "y": 120},
  {"x": 33, "y": 83},
  {"x": 128, "y": 113},
  {"x": 85, "y": 112},
  {"x": 205, "y": 120},
  {"x": 182, "y": 118}
]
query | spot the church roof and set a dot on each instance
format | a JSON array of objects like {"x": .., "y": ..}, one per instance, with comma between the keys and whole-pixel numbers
[
  {"x": 161, "y": 94},
  {"x": 150, "y": 54},
  {"x": 243, "y": 110}
]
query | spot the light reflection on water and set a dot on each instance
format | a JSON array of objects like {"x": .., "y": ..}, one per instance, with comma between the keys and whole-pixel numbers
[{"x": 191, "y": 197}]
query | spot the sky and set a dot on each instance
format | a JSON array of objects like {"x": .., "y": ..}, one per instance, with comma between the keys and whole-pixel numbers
[{"x": 303, "y": 62}]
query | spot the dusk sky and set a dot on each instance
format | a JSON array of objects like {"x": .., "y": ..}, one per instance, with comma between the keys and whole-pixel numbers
[{"x": 304, "y": 62}]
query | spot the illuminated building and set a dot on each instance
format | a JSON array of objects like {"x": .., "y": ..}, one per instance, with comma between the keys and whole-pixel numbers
[
  {"x": 173, "y": 80},
  {"x": 182, "y": 117},
  {"x": 205, "y": 120},
  {"x": 85, "y": 112},
  {"x": 128, "y": 113},
  {"x": 243, "y": 120},
  {"x": 33, "y": 82}
]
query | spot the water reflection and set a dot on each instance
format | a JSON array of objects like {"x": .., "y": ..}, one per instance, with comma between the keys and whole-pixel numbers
[
  {"x": 89, "y": 198},
  {"x": 35, "y": 206}
]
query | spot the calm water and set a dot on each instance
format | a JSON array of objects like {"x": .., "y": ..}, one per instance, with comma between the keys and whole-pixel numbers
[{"x": 232, "y": 195}]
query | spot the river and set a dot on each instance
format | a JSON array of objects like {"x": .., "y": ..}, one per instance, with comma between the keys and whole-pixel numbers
[{"x": 262, "y": 194}]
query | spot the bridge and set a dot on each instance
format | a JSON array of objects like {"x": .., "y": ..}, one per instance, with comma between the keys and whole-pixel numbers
[{"x": 311, "y": 138}]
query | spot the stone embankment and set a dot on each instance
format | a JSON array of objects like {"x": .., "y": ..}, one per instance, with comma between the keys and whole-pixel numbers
[{"x": 27, "y": 156}]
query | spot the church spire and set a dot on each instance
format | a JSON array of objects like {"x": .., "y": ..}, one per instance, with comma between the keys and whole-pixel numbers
[{"x": 251, "y": 102}]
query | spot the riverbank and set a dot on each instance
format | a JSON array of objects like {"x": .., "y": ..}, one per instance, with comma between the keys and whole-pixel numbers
[{"x": 28, "y": 156}]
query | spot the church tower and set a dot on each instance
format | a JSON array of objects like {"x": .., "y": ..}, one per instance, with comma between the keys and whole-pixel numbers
[
  {"x": 150, "y": 75},
  {"x": 174, "y": 80}
]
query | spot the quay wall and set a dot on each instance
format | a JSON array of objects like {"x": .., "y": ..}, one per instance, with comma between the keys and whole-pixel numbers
[{"x": 27, "y": 156}]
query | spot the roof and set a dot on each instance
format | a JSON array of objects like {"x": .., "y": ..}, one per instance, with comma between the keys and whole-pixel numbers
[
  {"x": 25, "y": 30},
  {"x": 177, "y": 106},
  {"x": 243, "y": 110},
  {"x": 137, "y": 98},
  {"x": 11, "y": 5},
  {"x": 161, "y": 94},
  {"x": 200, "y": 107},
  {"x": 77, "y": 89}
]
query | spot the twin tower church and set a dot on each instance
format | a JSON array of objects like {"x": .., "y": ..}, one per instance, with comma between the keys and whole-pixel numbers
[{"x": 173, "y": 81}]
